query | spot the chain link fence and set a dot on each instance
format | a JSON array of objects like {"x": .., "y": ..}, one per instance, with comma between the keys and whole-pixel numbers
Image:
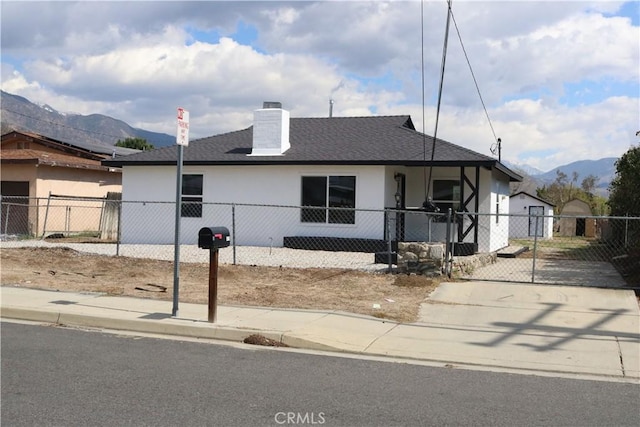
[{"x": 569, "y": 250}]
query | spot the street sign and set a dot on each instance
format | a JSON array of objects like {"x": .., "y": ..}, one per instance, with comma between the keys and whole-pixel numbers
[{"x": 182, "y": 136}]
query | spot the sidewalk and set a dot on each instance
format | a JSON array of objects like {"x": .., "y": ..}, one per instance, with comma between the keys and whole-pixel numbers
[{"x": 552, "y": 329}]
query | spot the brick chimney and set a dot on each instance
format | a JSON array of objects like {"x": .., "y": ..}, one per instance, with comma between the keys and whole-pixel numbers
[{"x": 270, "y": 130}]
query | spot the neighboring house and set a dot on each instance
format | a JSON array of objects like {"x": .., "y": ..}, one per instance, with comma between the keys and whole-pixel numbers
[
  {"x": 37, "y": 170},
  {"x": 575, "y": 220},
  {"x": 529, "y": 214},
  {"x": 351, "y": 162}
]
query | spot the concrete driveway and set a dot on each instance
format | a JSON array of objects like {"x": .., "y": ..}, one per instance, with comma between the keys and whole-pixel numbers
[
  {"x": 576, "y": 329},
  {"x": 551, "y": 271}
]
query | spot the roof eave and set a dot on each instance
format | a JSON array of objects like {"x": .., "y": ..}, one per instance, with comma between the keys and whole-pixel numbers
[
  {"x": 283, "y": 162},
  {"x": 19, "y": 161},
  {"x": 513, "y": 177}
]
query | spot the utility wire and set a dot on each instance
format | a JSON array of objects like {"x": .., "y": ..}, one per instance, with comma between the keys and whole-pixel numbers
[
  {"x": 475, "y": 81},
  {"x": 435, "y": 132},
  {"x": 424, "y": 135}
]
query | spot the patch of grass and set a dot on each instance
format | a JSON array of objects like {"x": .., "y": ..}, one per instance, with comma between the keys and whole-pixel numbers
[
  {"x": 569, "y": 248},
  {"x": 412, "y": 281},
  {"x": 380, "y": 315}
]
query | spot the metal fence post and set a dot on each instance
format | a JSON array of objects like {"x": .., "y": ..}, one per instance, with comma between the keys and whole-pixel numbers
[
  {"x": 6, "y": 219},
  {"x": 233, "y": 230},
  {"x": 626, "y": 231},
  {"x": 535, "y": 250},
  {"x": 46, "y": 216},
  {"x": 389, "y": 241},
  {"x": 448, "y": 260},
  {"x": 119, "y": 235},
  {"x": 67, "y": 219}
]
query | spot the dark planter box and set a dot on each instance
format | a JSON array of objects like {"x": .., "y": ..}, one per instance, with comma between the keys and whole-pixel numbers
[
  {"x": 334, "y": 244},
  {"x": 464, "y": 249},
  {"x": 383, "y": 258}
]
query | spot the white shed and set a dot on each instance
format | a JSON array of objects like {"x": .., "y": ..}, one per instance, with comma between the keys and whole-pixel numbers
[{"x": 524, "y": 209}]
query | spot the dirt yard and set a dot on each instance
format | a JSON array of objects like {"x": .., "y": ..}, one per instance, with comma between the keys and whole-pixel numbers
[{"x": 398, "y": 296}]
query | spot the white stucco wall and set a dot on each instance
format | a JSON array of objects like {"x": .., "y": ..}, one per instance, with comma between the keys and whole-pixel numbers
[
  {"x": 153, "y": 223},
  {"x": 519, "y": 220},
  {"x": 499, "y": 220}
]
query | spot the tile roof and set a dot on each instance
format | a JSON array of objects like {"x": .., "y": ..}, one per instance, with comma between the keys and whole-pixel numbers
[
  {"x": 373, "y": 140},
  {"x": 100, "y": 150},
  {"x": 26, "y": 156}
]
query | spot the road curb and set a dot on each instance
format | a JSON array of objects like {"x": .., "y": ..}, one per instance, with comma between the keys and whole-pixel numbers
[
  {"x": 34, "y": 315},
  {"x": 203, "y": 330},
  {"x": 194, "y": 330}
]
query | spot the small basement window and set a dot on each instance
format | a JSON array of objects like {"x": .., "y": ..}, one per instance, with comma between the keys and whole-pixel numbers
[{"x": 191, "y": 206}]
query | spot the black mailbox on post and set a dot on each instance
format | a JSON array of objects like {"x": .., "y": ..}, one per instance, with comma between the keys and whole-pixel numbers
[{"x": 213, "y": 237}]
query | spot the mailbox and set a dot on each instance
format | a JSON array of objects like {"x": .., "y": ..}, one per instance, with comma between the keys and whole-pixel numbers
[{"x": 213, "y": 237}]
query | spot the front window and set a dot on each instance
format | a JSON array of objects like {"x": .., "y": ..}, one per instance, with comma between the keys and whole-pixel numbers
[
  {"x": 446, "y": 194},
  {"x": 191, "y": 206},
  {"x": 332, "y": 192}
]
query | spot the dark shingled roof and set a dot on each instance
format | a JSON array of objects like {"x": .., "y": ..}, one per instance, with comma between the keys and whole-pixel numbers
[
  {"x": 374, "y": 140},
  {"x": 533, "y": 197}
]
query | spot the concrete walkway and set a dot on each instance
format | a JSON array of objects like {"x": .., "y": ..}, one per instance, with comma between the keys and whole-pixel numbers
[{"x": 557, "y": 330}]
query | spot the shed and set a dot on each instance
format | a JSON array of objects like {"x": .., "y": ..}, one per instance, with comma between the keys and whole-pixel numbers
[
  {"x": 576, "y": 220},
  {"x": 530, "y": 214}
]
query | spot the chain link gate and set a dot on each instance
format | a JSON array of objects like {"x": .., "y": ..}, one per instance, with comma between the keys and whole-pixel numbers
[{"x": 568, "y": 250}]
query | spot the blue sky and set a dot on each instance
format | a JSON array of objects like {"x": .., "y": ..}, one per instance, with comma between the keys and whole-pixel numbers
[{"x": 560, "y": 79}]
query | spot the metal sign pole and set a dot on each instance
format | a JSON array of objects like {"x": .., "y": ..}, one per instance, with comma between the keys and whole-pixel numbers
[
  {"x": 535, "y": 250},
  {"x": 182, "y": 140},
  {"x": 176, "y": 256}
]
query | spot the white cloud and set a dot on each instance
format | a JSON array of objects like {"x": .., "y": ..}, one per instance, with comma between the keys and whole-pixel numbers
[{"x": 137, "y": 61}]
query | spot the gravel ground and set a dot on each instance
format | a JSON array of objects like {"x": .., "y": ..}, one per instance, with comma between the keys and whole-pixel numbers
[{"x": 245, "y": 255}]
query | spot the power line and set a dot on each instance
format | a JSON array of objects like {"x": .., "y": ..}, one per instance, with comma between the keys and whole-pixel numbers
[
  {"x": 427, "y": 202},
  {"x": 424, "y": 136},
  {"x": 475, "y": 81}
]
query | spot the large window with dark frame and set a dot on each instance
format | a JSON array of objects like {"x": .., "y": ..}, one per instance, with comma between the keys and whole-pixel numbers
[
  {"x": 446, "y": 194},
  {"x": 191, "y": 206},
  {"x": 320, "y": 192}
]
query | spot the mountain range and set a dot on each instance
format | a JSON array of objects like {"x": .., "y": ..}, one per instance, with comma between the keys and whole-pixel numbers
[
  {"x": 19, "y": 113},
  {"x": 97, "y": 130},
  {"x": 604, "y": 169}
]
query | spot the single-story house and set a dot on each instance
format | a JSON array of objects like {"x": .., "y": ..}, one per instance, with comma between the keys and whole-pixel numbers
[
  {"x": 35, "y": 167},
  {"x": 524, "y": 210},
  {"x": 371, "y": 163},
  {"x": 575, "y": 220}
]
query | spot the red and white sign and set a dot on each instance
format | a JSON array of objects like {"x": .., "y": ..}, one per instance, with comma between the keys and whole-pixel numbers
[{"x": 182, "y": 137}]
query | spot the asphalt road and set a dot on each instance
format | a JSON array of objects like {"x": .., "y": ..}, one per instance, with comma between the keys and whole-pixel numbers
[{"x": 57, "y": 376}]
